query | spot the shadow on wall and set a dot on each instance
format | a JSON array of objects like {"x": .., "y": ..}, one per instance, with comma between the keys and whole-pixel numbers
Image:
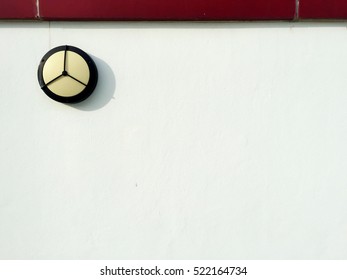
[
  {"x": 194, "y": 24},
  {"x": 104, "y": 91}
]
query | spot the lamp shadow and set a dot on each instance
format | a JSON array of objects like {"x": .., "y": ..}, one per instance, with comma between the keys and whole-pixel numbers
[{"x": 104, "y": 91}]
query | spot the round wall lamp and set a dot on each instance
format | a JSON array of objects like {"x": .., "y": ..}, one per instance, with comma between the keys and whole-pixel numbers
[{"x": 67, "y": 74}]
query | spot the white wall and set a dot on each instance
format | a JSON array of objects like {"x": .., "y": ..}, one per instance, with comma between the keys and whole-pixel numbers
[{"x": 201, "y": 141}]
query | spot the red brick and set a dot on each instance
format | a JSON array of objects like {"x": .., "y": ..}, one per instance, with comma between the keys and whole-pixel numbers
[
  {"x": 18, "y": 9},
  {"x": 323, "y": 9},
  {"x": 167, "y": 9}
]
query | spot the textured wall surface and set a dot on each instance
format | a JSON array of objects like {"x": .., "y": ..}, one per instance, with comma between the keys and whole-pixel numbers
[{"x": 201, "y": 141}]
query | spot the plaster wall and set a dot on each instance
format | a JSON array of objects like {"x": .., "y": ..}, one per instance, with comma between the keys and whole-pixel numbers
[{"x": 201, "y": 141}]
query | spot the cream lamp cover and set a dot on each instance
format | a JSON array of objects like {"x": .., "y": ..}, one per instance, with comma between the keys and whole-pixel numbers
[{"x": 67, "y": 74}]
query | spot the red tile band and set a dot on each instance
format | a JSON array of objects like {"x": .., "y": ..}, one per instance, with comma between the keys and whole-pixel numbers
[
  {"x": 18, "y": 9},
  {"x": 323, "y": 9},
  {"x": 167, "y": 9},
  {"x": 172, "y": 9}
]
